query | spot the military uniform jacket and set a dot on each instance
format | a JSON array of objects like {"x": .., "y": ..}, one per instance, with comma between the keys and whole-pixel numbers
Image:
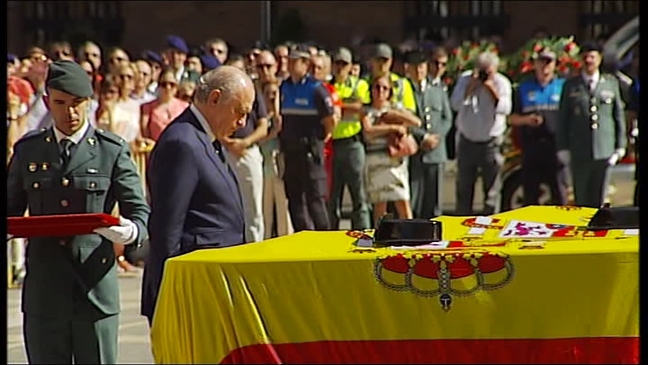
[
  {"x": 433, "y": 108},
  {"x": 73, "y": 276},
  {"x": 591, "y": 124}
]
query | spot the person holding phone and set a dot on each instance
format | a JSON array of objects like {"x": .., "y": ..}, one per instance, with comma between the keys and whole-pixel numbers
[{"x": 482, "y": 99}]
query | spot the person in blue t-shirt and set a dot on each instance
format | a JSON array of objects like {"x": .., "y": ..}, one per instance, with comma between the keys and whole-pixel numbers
[{"x": 536, "y": 102}]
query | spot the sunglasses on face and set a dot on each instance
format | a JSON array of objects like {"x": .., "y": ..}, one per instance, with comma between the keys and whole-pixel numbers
[{"x": 167, "y": 84}]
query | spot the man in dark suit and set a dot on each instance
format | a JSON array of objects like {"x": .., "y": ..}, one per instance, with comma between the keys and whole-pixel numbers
[
  {"x": 591, "y": 130},
  {"x": 71, "y": 293},
  {"x": 433, "y": 108},
  {"x": 195, "y": 197}
]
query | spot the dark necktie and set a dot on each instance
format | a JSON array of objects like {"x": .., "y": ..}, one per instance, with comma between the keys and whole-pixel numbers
[
  {"x": 66, "y": 150},
  {"x": 219, "y": 149}
]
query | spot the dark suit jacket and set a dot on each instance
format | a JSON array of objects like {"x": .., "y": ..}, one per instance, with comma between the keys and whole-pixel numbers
[
  {"x": 195, "y": 200},
  {"x": 73, "y": 276}
]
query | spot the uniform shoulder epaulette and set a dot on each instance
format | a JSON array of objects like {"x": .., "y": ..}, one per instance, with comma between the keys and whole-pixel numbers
[
  {"x": 110, "y": 137},
  {"x": 32, "y": 135}
]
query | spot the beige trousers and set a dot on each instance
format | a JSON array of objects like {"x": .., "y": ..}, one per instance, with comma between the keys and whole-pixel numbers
[{"x": 275, "y": 204}]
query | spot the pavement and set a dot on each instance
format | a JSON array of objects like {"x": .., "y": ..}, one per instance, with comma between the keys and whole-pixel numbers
[
  {"x": 134, "y": 344},
  {"x": 134, "y": 333}
]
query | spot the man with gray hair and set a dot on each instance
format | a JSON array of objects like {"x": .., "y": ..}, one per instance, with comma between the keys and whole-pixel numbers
[
  {"x": 482, "y": 100},
  {"x": 195, "y": 197}
]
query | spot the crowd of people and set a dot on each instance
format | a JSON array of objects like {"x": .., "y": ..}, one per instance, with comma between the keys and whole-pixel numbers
[{"x": 369, "y": 121}]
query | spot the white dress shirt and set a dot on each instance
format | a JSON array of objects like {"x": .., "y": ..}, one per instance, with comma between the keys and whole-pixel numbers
[
  {"x": 592, "y": 80},
  {"x": 76, "y": 137},
  {"x": 203, "y": 122}
]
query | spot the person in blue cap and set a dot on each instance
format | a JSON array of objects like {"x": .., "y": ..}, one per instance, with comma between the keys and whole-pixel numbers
[
  {"x": 71, "y": 293},
  {"x": 156, "y": 63},
  {"x": 209, "y": 62},
  {"x": 176, "y": 53}
]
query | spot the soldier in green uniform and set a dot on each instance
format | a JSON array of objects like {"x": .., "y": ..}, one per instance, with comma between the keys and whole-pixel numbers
[
  {"x": 70, "y": 293},
  {"x": 426, "y": 166},
  {"x": 591, "y": 131}
]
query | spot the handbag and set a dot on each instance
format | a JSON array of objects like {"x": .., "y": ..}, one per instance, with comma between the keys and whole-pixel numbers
[{"x": 402, "y": 146}]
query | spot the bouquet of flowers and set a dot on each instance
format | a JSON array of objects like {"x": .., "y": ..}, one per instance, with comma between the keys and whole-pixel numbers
[
  {"x": 520, "y": 64},
  {"x": 463, "y": 58}
]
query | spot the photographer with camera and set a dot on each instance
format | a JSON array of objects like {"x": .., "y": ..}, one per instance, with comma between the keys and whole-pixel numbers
[{"x": 482, "y": 99}]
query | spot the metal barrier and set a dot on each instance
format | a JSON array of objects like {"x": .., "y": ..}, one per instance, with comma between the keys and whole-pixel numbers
[{"x": 140, "y": 153}]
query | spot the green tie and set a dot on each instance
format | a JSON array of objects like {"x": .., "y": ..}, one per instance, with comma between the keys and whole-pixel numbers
[{"x": 66, "y": 150}]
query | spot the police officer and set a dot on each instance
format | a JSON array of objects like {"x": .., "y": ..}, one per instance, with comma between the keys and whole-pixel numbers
[
  {"x": 426, "y": 166},
  {"x": 348, "y": 149},
  {"x": 381, "y": 63},
  {"x": 71, "y": 293},
  {"x": 591, "y": 134},
  {"x": 308, "y": 119},
  {"x": 535, "y": 117}
]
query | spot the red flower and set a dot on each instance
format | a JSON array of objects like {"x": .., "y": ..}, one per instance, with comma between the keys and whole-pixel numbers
[
  {"x": 569, "y": 47},
  {"x": 448, "y": 81},
  {"x": 526, "y": 67},
  {"x": 562, "y": 68},
  {"x": 577, "y": 64},
  {"x": 455, "y": 51},
  {"x": 537, "y": 47}
]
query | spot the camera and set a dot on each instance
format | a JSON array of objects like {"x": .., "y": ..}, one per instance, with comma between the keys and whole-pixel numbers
[{"x": 482, "y": 75}]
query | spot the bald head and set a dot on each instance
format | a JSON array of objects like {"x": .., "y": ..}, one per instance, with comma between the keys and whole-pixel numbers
[
  {"x": 230, "y": 80},
  {"x": 225, "y": 96}
]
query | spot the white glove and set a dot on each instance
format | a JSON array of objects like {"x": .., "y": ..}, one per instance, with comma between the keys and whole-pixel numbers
[
  {"x": 125, "y": 233},
  {"x": 563, "y": 156},
  {"x": 616, "y": 156}
]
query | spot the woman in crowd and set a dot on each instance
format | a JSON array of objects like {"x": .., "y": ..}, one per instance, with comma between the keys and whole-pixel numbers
[
  {"x": 186, "y": 90},
  {"x": 275, "y": 203},
  {"x": 112, "y": 116},
  {"x": 157, "y": 114},
  {"x": 387, "y": 177},
  {"x": 126, "y": 77}
]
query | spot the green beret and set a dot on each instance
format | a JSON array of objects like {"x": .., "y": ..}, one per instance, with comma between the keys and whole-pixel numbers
[{"x": 69, "y": 77}]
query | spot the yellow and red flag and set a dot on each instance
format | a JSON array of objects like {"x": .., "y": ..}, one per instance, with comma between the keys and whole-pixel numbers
[{"x": 313, "y": 297}]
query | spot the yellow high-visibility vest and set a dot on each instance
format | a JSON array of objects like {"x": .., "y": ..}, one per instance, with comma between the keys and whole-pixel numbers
[{"x": 355, "y": 88}]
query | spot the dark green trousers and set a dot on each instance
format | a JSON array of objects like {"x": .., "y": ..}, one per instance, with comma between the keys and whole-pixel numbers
[
  {"x": 348, "y": 170},
  {"x": 67, "y": 341},
  {"x": 590, "y": 179}
]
